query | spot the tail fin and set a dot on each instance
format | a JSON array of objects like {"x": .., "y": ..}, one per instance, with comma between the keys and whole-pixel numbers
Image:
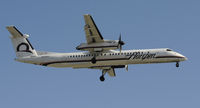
[{"x": 21, "y": 44}]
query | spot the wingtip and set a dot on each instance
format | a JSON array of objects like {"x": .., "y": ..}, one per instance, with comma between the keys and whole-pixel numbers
[
  {"x": 10, "y": 26},
  {"x": 87, "y": 15}
]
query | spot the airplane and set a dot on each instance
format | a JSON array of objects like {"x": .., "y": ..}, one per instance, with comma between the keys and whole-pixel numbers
[{"x": 98, "y": 53}]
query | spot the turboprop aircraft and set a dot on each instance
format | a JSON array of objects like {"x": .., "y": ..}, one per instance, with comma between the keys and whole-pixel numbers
[{"x": 98, "y": 52}]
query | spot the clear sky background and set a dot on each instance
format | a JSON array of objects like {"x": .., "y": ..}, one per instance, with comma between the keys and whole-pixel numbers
[{"x": 58, "y": 26}]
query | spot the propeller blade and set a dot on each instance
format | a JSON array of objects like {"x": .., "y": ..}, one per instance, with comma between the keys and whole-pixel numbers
[
  {"x": 120, "y": 38},
  {"x": 120, "y": 43},
  {"x": 120, "y": 48}
]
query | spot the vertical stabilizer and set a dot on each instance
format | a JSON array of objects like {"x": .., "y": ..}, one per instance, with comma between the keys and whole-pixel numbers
[{"x": 21, "y": 44}]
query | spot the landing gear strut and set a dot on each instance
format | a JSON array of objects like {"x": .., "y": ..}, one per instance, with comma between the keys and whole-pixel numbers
[
  {"x": 177, "y": 64},
  {"x": 94, "y": 60}
]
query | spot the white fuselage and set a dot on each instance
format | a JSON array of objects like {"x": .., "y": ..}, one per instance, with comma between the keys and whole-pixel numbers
[{"x": 109, "y": 58}]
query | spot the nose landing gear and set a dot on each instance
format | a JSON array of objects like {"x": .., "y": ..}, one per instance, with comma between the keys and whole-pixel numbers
[{"x": 177, "y": 64}]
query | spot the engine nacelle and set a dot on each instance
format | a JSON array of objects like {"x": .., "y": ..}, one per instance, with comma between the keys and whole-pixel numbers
[{"x": 106, "y": 45}]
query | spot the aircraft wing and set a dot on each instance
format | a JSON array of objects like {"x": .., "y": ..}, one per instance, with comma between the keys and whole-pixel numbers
[{"x": 91, "y": 31}]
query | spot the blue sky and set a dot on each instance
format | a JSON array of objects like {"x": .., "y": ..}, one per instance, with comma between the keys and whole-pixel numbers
[{"x": 57, "y": 25}]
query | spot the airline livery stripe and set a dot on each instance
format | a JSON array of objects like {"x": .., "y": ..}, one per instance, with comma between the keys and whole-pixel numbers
[
  {"x": 29, "y": 43},
  {"x": 17, "y": 30},
  {"x": 169, "y": 57},
  {"x": 45, "y": 64},
  {"x": 72, "y": 61}
]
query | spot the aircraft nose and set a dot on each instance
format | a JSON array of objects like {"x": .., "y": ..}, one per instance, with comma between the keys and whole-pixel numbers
[{"x": 183, "y": 58}]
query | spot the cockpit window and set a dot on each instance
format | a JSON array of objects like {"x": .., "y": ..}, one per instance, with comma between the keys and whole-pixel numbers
[{"x": 169, "y": 50}]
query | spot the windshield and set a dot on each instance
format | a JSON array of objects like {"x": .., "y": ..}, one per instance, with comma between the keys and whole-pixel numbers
[{"x": 168, "y": 50}]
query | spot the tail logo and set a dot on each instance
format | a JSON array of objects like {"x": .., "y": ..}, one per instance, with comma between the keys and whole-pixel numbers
[{"x": 23, "y": 47}]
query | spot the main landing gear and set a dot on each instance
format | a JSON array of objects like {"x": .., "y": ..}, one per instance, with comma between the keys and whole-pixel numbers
[
  {"x": 102, "y": 78},
  {"x": 177, "y": 64}
]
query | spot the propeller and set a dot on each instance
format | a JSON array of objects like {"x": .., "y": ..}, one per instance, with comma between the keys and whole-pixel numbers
[{"x": 120, "y": 43}]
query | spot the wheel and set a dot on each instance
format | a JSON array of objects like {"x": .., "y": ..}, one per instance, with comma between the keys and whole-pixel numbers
[
  {"x": 93, "y": 60},
  {"x": 177, "y": 64},
  {"x": 102, "y": 78}
]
